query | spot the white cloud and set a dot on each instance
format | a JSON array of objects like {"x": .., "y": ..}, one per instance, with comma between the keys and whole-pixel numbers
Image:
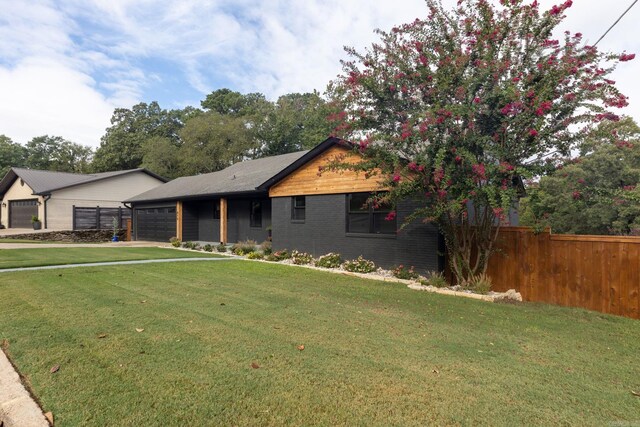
[{"x": 93, "y": 55}]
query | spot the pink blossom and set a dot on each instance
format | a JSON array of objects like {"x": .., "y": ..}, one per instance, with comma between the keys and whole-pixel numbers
[
  {"x": 576, "y": 195},
  {"x": 396, "y": 178},
  {"x": 627, "y": 57},
  {"x": 533, "y": 132},
  {"x": 390, "y": 216},
  {"x": 476, "y": 100},
  {"x": 480, "y": 171},
  {"x": 412, "y": 166}
]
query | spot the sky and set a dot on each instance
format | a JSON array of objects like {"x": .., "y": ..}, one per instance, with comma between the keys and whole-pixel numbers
[{"x": 66, "y": 65}]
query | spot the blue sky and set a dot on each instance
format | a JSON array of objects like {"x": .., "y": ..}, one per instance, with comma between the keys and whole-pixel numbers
[{"x": 65, "y": 65}]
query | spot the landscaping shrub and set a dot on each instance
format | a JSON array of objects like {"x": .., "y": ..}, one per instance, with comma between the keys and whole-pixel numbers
[
  {"x": 266, "y": 247},
  {"x": 221, "y": 248},
  {"x": 208, "y": 248},
  {"x": 175, "y": 242},
  {"x": 190, "y": 245},
  {"x": 255, "y": 255},
  {"x": 435, "y": 279},
  {"x": 301, "y": 258},
  {"x": 360, "y": 265},
  {"x": 243, "y": 248},
  {"x": 401, "y": 272},
  {"x": 280, "y": 255},
  {"x": 480, "y": 283},
  {"x": 329, "y": 260}
]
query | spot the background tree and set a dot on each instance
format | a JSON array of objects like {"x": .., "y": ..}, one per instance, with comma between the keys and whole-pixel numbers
[
  {"x": 457, "y": 107},
  {"x": 596, "y": 192},
  {"x": 12, "y": 154},
  {"x": 122, "y": 146},
  {"x": 213, "y": 141},
  {"x": 57, "y": 154}
]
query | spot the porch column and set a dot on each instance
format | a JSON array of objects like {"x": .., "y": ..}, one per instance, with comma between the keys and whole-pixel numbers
[
  {"x": 223, "y": 220},
  {"x": 179, "y": 220}
]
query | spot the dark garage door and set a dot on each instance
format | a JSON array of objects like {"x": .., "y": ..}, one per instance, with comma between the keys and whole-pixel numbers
[
  {"x": 20, "y": 212},
  {"x": 156, "y": 224}
]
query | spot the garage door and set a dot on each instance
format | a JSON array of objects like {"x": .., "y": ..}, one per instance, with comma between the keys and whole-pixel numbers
[
  {"x": 156, "y": 224},
  {"x": 20, "y": 212}
]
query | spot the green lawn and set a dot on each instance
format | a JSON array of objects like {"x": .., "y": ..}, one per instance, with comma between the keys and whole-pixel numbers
[
  {"x": 375, "y": 353},
  {"x": 33, "y": 257}
]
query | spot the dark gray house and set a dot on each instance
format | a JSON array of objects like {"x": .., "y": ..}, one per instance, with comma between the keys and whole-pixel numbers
[{"x": 285, "y": 197}]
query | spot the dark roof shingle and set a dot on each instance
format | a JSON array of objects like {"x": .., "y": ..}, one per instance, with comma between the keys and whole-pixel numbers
[{"x": 238, "y": 178}]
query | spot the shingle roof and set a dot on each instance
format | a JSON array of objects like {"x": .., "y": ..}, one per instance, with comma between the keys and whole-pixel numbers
[
  {"x": 241, "y": 177},
  {"x": 44, "y": 182}
]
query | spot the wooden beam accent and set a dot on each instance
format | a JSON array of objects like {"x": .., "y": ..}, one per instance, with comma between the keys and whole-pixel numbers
[
  {"x": 179, "y": 220},
  {"x": 308, "y": 181},
  {"x": 223, "y": 220}
]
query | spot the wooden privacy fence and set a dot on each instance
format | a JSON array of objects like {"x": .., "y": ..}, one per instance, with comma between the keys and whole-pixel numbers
[
  {"x": 599, "y": 273},
  {"x": 97, "y": 218}
]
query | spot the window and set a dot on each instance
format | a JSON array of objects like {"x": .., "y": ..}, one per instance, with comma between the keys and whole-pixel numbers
[
  {"x": 255, "y": 215},
  {"x": 363, "y": 218},
  {"x": 216, "y": 210},
  {"x": 298, "y": 205}
]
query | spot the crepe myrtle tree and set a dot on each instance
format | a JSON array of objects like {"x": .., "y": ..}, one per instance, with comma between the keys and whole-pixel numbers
[{"x": 457, "y": 108}]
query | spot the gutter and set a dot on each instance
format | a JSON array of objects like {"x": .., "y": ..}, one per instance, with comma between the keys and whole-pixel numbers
[{"x": 45, "y": 198}]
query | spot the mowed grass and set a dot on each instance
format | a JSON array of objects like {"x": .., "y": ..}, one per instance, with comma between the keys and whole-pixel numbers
[
  {"x": 375, "y": 353},
  {"x": 34, "y": 257}
]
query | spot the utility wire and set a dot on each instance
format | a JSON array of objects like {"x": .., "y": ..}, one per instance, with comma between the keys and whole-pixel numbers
[{"x": 615, "y": 23}]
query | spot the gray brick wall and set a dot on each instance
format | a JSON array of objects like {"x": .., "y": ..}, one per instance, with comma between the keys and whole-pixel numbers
[
  {"x": 239, "y": 228},
  {"x": 324, "y": 230}
]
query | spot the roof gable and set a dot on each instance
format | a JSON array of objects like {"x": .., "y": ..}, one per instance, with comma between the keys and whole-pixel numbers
[{"x": 45, "y": 182}]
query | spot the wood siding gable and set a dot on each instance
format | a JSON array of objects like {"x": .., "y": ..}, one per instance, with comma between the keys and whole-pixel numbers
[{"x": 307, "y": 180}]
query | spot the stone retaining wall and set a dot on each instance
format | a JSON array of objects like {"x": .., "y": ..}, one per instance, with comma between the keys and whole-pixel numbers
[{"x": 77, "y": 236}]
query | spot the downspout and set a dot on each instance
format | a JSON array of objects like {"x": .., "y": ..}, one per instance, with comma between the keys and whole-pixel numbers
[{"x": 45, "y": 198}]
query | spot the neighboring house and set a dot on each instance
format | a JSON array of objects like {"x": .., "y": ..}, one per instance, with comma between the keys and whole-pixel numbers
[
  {"x": 286, "y": 198},
  {"x": 51, "y": 196}
]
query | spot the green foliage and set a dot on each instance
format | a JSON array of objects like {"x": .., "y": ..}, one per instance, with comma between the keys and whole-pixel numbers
[
  {"x": 244, "y": 247},
  {"x": 266, "y": 247},
  {"x": 280, "y": 255},
  {"x": 175, "y": 242},
  {"x": 402, "y": 272},
  {"x": 595, "y": 193},
  {"x": 301, "y": 258},
  {"x": 57, "y": 154},
  {"x": 480, "y": 283},
  {"x": 221, "y": 248},
  {"x": 208, "y": 248},
  {"x": 190, "y": 245},
  {"x": 330, "y": 260},
  {"x": 12, "y": 154},
  {"x": 359, "y": 265},
  {"x": 34, "y": 218},
  {"x": 435, "y": 279},
  {"x": 458, "y": 107},
  {"x": 255, "y": 255}
]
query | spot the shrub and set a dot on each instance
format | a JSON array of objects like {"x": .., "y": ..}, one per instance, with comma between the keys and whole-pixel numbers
[
  {"x": 401, "y": 272},
  {"x": 255, "y": 255},
  {"x": 301, "y": 258},
  {"x": 208, "y": 248},
  {"x": 329, "y": 260},
  {"x": 360, "y": 265},
  {"x": 480, "y": 283},
  {"x": 435, "y": 279},
  {"x": 266, "y": 247},
  {"x": 281, "y": 255},
  {"x": 243, "y": 248},
  {"x": 221, "y": 248},
  {"x": 270, "y": 257},
  {"x": 175, "y": 242},
  {"x": 190, "y": 245}
]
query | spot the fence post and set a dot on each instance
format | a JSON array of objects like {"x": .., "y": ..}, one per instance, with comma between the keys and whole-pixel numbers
[
  {"x": 129, "y": 230},
  {"x": 97, "y": 217}
]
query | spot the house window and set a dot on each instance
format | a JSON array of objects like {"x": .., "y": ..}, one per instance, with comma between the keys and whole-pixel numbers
[
  {"x": 255, "y": 215},
  {"x": 363, "y": 218},
  {"x": 216, "y": 210},
  {"x": 298, "y": 207}
]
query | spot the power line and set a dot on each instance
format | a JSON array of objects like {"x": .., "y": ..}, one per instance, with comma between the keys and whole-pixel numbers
[{"x": 615, "y": 23}]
